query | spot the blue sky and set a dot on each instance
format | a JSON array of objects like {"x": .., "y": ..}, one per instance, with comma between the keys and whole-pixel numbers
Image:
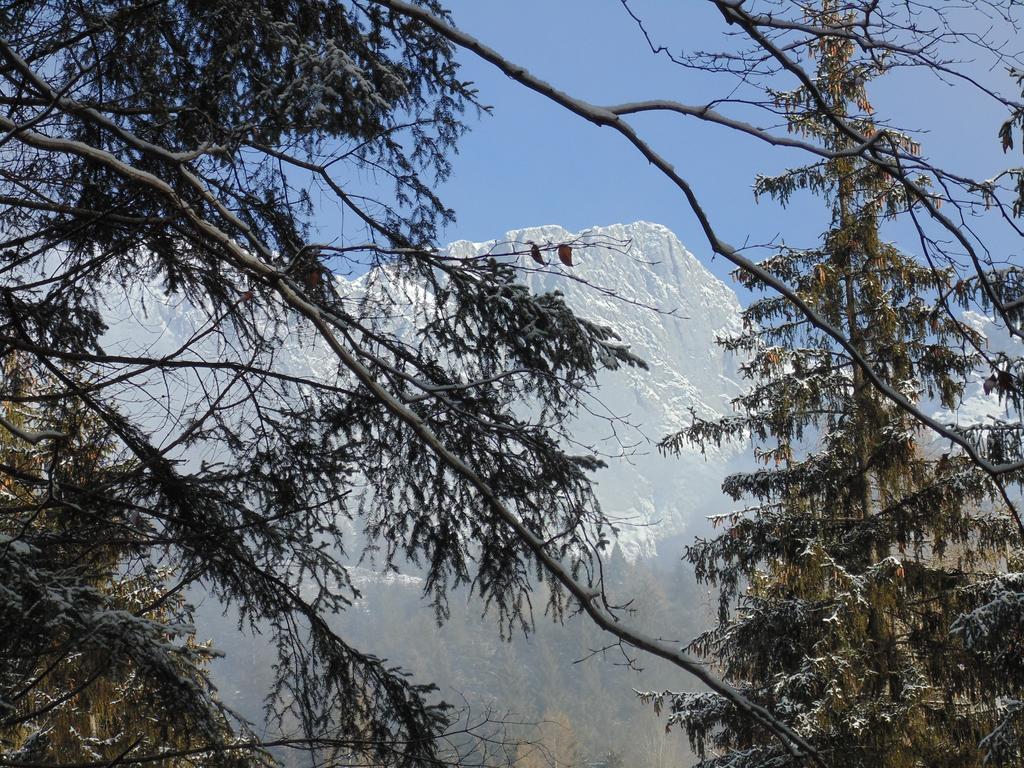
[{"x": 532, "y": 163}]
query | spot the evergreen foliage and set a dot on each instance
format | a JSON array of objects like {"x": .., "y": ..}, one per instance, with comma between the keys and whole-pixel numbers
[
  {"x": 564, "y": 670},
  {"x": 863, "y": 556},
  {"x": 100, "y": 656},
  {"x": 183, "y": 151},
  {"x": 178, "y": 152}
]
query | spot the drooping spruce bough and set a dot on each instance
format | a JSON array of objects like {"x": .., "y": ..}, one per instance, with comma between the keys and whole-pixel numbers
[{"x": 165, "y": 151}]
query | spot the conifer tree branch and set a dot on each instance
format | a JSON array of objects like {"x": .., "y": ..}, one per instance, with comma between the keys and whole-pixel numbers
[
  {"x": 253, "y": 262},
  {"x": 34, "y": 437},
  {"x": 751, "y": 25},
  {"x": 605, "y": 117}
]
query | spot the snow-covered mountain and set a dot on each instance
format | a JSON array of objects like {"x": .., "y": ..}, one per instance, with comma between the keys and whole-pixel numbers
[
  {"x": 640, "y": 280},
  {"x": 977, "y": 406}
]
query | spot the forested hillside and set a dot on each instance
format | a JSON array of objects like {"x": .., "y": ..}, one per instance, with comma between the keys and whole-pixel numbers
[{"x": 560, "y": 672}]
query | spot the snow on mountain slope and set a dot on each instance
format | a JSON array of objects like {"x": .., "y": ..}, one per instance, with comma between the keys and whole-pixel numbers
[
  {"x": 978, "y": 407},
  {"x": 637, "y": 278},
  {"x": 640, "y": 280}
]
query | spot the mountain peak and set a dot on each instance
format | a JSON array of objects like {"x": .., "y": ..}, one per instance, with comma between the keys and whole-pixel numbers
[
  {"x": 641, "y": 281},
  {"x": 636, "y": 278}
]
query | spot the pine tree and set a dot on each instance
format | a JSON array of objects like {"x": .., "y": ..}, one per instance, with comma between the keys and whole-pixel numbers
[
  {"x": 859, "y": 545},
  {"x": 94, "y": 633}
]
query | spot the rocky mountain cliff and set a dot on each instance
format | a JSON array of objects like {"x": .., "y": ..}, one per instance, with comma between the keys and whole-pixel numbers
[
  {"x": 637, "y": 278},
  {"x": 640, "y": 280}
]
